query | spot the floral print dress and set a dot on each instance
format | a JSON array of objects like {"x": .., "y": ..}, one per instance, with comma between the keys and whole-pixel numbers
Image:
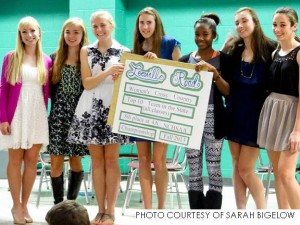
[
  {"x": 89, "y": 125},
  {"x": 65, "y": 96}
]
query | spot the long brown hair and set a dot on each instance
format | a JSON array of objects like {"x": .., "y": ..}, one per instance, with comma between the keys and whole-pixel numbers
[
  {"x": 260, "y": 43},
  {"x": 159, "y": 32},
  {"x": 292, "y": 15},
  {"x": 62, "y": 51}
]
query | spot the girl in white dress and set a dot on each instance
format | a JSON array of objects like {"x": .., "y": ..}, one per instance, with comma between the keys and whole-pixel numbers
[
  {"x": 23, "y": 113},
  {"x": 99, "y": 68}
]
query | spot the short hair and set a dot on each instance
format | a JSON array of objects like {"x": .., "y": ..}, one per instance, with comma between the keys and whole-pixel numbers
[{"x": 66, "y": 213}]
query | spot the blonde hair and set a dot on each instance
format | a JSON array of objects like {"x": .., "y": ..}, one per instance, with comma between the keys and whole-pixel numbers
[
  {"x": 158, "y": 34},
  {"x": 62, "y": 50},
  {"x": 103, "y": 14},
  {"x": 16, "y": 59}
]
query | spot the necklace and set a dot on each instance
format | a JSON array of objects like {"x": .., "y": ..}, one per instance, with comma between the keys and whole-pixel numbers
[{"x": 242, "y": 73}]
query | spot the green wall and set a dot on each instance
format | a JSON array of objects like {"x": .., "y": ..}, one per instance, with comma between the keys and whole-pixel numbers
[
  {"x": 49, "y": 13},
  {"x": 178, "y": 17}
]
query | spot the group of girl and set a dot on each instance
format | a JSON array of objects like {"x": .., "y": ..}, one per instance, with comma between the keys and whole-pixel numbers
[
  {"x": 260, "y": 84},
  {"x": 261, "y": 90}
]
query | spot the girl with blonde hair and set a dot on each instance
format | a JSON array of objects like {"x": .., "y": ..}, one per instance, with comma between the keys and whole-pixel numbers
[
  {"x": 100, "y": 66},
  {"x": 23, "y": 113}
]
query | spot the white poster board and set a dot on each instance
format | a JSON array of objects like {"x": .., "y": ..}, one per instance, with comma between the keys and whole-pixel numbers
[{"x": 161, "y": 100}]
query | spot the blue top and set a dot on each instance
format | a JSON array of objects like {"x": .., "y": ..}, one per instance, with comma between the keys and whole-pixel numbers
[
  {"x": 244, "y": 103},
  {"x": 167, "y": 46}
]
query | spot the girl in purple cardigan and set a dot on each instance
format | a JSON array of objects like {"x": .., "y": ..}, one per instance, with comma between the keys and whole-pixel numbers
[{"x": 23, "y": 113}]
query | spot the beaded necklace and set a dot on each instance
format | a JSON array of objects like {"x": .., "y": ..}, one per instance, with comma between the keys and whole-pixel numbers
[{"x": 242, "y": 73}]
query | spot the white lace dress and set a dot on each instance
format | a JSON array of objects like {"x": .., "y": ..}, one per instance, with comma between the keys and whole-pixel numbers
[{"x": 29, "y": 125}]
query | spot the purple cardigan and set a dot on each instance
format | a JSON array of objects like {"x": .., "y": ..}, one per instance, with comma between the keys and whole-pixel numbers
[{"x": 9, "y": 94}]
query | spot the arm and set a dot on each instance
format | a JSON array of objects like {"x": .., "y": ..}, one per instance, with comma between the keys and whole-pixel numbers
[
  {"x": 4, "y": 125},
  {"x": 228, "y": 44},
  {"x": 91, "y": 82},
  {"x": 221, "y": 84},
  {"x": 294, "y": 140},
  {"x": 176, "y": 54},
  {"x": 4, "y": 91}
]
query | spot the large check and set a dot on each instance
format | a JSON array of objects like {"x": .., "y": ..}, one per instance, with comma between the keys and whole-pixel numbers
[{"x": 160, "y": 100}]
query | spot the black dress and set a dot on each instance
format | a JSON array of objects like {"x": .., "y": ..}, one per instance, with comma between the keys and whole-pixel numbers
[{"x": 64, "y": 97}]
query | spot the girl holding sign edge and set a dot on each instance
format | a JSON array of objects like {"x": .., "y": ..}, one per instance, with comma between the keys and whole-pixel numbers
[
  {"x": 215, "y": 123},
  {"x": 99, "y": 68},
  {"x": 150, "y": 41}
]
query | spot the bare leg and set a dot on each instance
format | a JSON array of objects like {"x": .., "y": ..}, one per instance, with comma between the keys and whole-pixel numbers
[
  {"x": 113, "y": 178},
  {"x": 287, "y": 168},
  {"x": 75, "y": 163},
  {"x": 161, "y": 172},
  {"x": 15, "y": 180},
  {"x": 281, "y": 196},
  {"x": 57, "y": 163},
  {"x": 98, "y": 174},
  {"x": 145, "y": 176},
  {"x": 29, "y": 174},
  {"x": 246, "y": 168},
  {"x": 239, "y": 185}
]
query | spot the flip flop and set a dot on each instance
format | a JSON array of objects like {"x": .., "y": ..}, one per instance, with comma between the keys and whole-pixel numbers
[{"x": 98, "y": 217}]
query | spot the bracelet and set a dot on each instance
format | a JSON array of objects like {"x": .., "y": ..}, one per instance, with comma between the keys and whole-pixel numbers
[{"x": 217, "y": 78}]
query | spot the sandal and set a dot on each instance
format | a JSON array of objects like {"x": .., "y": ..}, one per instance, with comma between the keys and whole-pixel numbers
[
  {"x": 98, "y": 217},
  {"x": 108, "y": 216}
]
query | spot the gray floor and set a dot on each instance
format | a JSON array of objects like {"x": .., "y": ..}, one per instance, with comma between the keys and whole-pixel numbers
[{"x": 129, "y": 218}]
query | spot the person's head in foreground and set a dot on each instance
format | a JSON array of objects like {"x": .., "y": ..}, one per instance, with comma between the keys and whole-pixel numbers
[{"x": 68, "y": 212}]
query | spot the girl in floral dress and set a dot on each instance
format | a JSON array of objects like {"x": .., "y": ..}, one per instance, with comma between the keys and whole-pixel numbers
[
  {"x": 99, "y": 68},
  {"x": 66, "y": 89}
]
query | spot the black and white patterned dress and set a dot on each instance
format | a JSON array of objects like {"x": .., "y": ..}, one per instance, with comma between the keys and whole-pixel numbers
[
  {"x": 65, "y": 96},
  {"x": 89, "y": 125}
]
